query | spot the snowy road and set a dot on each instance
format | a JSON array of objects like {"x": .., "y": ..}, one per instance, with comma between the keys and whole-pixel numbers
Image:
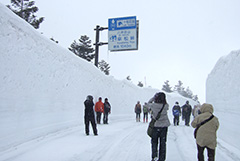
[{"x": 121, "y": 140}]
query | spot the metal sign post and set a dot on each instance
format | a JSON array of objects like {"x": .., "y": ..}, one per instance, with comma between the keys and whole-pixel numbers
[
  {"x": 122, "y": 35},
  {"x": 97, "y": 43}
]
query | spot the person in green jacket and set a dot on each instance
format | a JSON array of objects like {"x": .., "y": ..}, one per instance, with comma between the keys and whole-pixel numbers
[{"x": 145, "y": 112}]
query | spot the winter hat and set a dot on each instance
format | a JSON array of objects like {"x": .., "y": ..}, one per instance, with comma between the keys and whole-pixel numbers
[
  {"x": 176, "y": 103},
  {"x": 206, "y": 108}
]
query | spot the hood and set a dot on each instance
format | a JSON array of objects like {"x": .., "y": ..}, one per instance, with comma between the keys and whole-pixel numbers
[{"x": 206, "y": 108}]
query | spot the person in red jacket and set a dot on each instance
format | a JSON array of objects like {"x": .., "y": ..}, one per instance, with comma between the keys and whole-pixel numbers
[{"x": 99, "y": 106}]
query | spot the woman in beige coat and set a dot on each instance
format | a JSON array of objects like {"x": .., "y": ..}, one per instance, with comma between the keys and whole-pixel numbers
[{"x": 206, "y": 134}]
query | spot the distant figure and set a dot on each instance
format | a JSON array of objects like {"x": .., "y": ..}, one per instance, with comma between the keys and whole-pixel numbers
[
  {"x": 145, "y": 112},
  {"x": 99, "y": 106},
  {"x": 176, "y": 110},
  {"x": 186, "y": 111},
  {"x": 196, "y": 110},
  {"x": 160, "y": 129},
  {"x": 206, "y": 136},
  {"x": 107, "y": 110},
  {"x": 89, "y": 115},
  {"x": 138, "y": 111}
]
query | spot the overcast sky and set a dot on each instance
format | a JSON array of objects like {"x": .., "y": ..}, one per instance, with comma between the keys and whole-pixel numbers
[{"x": 178, "y": 39}]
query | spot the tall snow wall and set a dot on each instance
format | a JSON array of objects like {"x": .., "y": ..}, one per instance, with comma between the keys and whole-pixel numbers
[{"x": 223, "y": 91}]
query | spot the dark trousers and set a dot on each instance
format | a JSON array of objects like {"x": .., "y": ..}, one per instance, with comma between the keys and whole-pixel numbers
[
  {"x": 211, "y": 153},
  {"x": 93, "y": 123},
  {"x": 187, "y": 120},
  {"x": 176, "y": 120},
  {"x": 105, "y": 118},
  {"x": 159, "y": 134},
  {"x": 145, "y": 116},
  {"x": 99, "y": 117},
  {"x": 138, "y": 117}
]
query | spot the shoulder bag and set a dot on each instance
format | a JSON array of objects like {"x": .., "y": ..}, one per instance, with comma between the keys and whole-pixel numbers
[
  {"x": 202, "y": 123},
  {"x": 151, "y": 124}
]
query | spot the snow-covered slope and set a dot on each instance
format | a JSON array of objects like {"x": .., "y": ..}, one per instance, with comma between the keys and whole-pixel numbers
[
  {"x": 223, "y": 91},
  {"x": 43, "y": 86}
]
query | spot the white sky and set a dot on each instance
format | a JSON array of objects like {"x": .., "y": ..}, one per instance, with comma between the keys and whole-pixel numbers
[{"x": 179, "y": 39}]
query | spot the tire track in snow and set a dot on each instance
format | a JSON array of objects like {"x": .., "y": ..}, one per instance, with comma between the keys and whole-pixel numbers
[
  {"x": 224, "y": 152},
  {"x": 126, "y": 144}
]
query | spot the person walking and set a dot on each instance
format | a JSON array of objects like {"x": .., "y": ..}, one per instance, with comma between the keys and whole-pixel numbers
[
  {"x": 187, "y": 110},
  {"x": 89, "y": 116},
  {"x": 183, "y": 114},
  {"x": 145, "y": 112},
  {"x": 138, "y": 111},
  {"x": 107, "y": 110},
  {"x": 206, "y": 135},
  {"x": 176, "y": 110},
  {"x": 99, "y": 106},
  {"x": 157, "y": 103}
]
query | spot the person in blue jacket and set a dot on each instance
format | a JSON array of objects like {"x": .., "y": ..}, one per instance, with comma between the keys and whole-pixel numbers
[{"x": 176, "y": 110}]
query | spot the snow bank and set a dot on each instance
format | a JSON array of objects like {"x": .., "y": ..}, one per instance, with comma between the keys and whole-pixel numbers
[
  {"x": 223, "y": 91},
  {"x": 43, "y": 86}
]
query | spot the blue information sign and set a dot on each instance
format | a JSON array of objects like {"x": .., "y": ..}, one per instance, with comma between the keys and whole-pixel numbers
[
  {"x": 122, "y": 33},
  {"x": 122, "y": 23}
]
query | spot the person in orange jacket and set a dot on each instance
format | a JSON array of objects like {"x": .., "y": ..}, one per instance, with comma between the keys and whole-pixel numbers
[{"x": 99, "y": 106}]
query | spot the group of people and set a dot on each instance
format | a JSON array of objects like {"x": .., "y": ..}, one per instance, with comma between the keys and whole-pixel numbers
[
  {"x": 184, "y": 111},
  {"x": 205, "y": 122},
  {"x": 89, "y": 116},
  {"x": 138, "y": 111}
]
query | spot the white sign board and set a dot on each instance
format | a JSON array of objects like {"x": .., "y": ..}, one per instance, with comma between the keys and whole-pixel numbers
[{"x": 122, "y": 34}]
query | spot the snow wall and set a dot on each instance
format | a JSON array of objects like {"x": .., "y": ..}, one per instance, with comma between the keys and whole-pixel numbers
[
  {"x": 45, "y": 85},
  {"x": 223, "y": 91}
]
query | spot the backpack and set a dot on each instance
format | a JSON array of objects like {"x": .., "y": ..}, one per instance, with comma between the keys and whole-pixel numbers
[
  {"x": 175, "y": 112},
  {"x": 145, "y": 109}
]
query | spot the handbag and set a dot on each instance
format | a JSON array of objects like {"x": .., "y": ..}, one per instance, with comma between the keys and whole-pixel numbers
[
  {"x": 202, "y": 123},
  {"x": 152, "y": 122}
]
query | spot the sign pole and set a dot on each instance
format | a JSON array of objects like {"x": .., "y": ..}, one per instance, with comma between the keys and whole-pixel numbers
[{"x": 96, "y": 45}]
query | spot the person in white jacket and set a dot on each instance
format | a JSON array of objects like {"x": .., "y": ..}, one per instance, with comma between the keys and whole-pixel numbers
[{"x": 160, "y": 127}]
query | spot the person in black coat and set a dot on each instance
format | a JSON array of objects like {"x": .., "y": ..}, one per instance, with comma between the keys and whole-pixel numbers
[
  {"x": 107, "y": 110},
  {"x": 187, "y": 110},
  {"x": 89, "y": 116}
]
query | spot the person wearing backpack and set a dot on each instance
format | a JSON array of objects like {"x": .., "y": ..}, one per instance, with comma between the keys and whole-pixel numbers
[
  {"x": 158, "y": 104},
  {"x": 138, "y": 111},
  {"x": 145, "y": 112},
  {"x": 176, "y": 110},
  {"x": 187, "y": 110},
  {"x": 206, "y": 135},
  {"x": 107, "y": 110}
]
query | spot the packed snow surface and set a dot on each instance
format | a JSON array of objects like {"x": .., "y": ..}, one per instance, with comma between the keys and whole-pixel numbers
[{"x": 42, "y": 90}]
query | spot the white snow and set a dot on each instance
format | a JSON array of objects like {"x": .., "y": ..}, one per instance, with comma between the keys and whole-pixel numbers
[
  {"x": 42, "y": 90},
  {"x": 223, "y": 91}
]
